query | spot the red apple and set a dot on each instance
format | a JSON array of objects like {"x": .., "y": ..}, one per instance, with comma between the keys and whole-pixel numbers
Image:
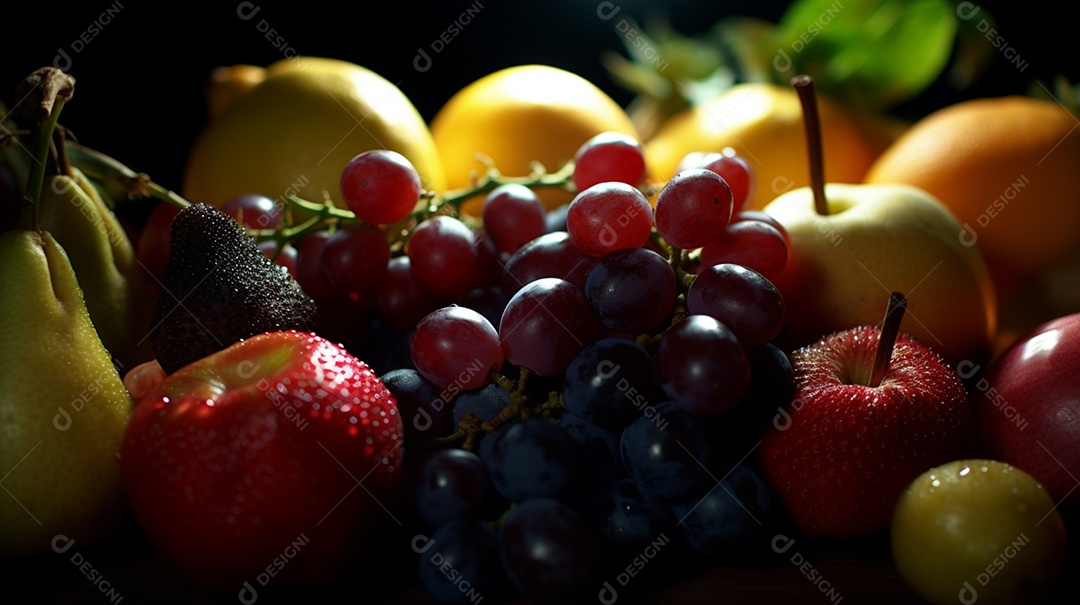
[
  {"x": 859, "y": 431},
  {"x": 1027, "y": 406},
  {"x": 269, "y": 460}
]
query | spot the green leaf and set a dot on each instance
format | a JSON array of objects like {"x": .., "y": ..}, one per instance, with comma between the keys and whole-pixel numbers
[{"x": 872, "y": 52}]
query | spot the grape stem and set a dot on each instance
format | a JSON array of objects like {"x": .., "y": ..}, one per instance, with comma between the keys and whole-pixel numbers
[
  {"x": 108, "y": 170},
  {"x": 804, "y": 86},
  {"x": 890, "y": 328}
]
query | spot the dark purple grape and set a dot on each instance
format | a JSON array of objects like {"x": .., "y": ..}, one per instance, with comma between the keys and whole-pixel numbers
[
  {"x": 460, "y": 562},
  {"x": 451, "y": 485},
  {"x": 556, "y": 218},
  {"x": 702, "y": 366},
  {"x": 610, "y": 382},
  {"x": 485, "y": 403},
  {"x": 550, "y": 255},
  {"x": 535, "y": 459},
  {"x": 631, "y": 290},
  {"x": 740, "y": 298},
  {"x": 627, "y": 520},
  {"x": 421, "y": 406},
  {"x": 548, "y": 551},
  {"x": 772, "y": 384},
  {"x": 545, "y": 325},
  {"x": 666, "y": 454},
  {"x": 599, "y": 447},
  {"x": 384, "y": 347},
  {"x": 729, "y": 520}
]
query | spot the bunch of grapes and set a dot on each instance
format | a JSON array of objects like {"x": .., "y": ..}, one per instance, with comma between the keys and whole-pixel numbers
[{"x": 582, "y": 389}]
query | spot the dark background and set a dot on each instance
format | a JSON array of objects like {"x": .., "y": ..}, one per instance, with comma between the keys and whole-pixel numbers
[{"x": 139, "y": 95}]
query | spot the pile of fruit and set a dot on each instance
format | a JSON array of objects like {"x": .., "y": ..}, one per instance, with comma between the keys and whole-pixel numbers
[{"x": 533, "y": 354}]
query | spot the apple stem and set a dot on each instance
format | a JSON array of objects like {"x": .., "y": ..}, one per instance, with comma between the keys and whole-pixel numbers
[
  {"x": 804, "y": 86},
  {"x": 890, "y": 328}
]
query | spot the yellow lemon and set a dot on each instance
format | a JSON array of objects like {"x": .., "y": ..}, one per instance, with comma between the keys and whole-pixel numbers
[
  {"x": 520, "y": 115},
  {"x": 297, "y": 128},
  {"x": 764, "y": 124}
]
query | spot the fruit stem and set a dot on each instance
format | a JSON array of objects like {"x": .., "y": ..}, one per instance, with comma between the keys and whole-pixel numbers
[
  {"x": 804, "y": 86},
  {"x": 492, "y": 179},
  {"x": 46, "y": 92},
  {"x": 122, "y": 182},
  {"x": 890, "y": 328}
]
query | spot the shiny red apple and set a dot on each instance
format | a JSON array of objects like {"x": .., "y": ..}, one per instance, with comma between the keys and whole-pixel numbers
[
  {"x": 1027, "y": 405},
  {"x": 872, "y": 410}
]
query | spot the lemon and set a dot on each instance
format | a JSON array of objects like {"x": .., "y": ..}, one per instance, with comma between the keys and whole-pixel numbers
[
  {"x": 763, "y": 123},
  {"x": 520, "y": 115},
  {"x": 297, "y": 128}
]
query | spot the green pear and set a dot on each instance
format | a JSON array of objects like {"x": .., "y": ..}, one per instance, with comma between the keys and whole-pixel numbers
[
  {"x": 73, "y": 211},
  {"x": 63, "y": 406}
]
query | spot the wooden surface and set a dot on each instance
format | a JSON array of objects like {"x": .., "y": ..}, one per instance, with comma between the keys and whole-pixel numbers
[{"x": 841, "y": 573}]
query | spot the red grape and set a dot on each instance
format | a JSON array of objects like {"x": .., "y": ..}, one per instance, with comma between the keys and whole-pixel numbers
[
  {"x": 764, "y": 217},
  {"x": 545, "y": 325},
  {"x": 455, "y": 347},
  {"x": 609, "y": 216},
  {"x": 693, "y": 208},
  {"x": 380, "y": 186},
  {"x": 750, "y": 243},
  {"x": 733, "y": 169},
  {"x": 550, "y": 255},
  {"x": 444, "y": 255},
  {"x": 355, "y": 257},
  {"x": 254, "y": 211},
  {"x": 513, "y": 216},
  {"x": 742, "y": 299},
  {"x": 609, "y": 156},
  {"x": 309, "y": 263},
  {"x": 400, "y": 299}
]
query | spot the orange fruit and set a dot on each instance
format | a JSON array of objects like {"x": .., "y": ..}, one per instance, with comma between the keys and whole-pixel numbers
[
  {"x": 295, "y": 130},
  {"x": 520, "y": 115},
  {"x": 763, "y": 123},
  {"x": 1007, "y": 167}
]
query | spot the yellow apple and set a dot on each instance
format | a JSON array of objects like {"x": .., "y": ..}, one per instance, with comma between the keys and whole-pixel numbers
[{"x": 878, "y": 239}]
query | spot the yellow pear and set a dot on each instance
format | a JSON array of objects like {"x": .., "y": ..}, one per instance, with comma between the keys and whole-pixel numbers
[
  {"x": 63, "y": 407},
  {"x": 104, "y": 260}
]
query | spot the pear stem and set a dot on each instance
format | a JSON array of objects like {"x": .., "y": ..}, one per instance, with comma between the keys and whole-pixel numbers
[
  {"x": 804, "y": 86},
  {"x": 890, "y": 328},
  {"x": 41, "y": 158}
]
